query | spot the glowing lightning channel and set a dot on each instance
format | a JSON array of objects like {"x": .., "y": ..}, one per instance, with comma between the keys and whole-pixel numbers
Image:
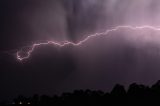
[{"x": 62, "y": 44}]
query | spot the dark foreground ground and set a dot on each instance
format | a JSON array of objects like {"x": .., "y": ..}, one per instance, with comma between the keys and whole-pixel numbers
[{"x": 135, "y": 95}]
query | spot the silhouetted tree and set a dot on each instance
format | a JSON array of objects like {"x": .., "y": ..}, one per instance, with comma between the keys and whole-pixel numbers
[
  {"x": 118, "y": 94},
  {"x": 35, "y": 99},
  {"x": 137, "y": 94}
]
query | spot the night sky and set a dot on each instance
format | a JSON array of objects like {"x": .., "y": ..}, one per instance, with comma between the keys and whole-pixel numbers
[{"x": 124, "y": 57}]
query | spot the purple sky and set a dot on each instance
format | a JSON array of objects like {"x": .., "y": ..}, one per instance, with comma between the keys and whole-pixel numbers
[{"x": 125, "y": 57}]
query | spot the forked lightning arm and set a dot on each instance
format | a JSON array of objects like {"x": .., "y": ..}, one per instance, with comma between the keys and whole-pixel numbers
[{"x": 60, "y": 44}]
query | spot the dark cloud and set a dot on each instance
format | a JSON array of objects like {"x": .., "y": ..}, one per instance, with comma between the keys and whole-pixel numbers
[{"x": 124, "y": 57}]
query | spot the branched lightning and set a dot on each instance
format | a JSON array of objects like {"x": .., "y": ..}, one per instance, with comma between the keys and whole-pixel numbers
[{"x": 62, "y": 44}]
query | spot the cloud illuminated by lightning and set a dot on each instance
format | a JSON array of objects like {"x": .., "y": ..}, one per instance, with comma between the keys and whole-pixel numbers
[{"x": 62, "y": 44}]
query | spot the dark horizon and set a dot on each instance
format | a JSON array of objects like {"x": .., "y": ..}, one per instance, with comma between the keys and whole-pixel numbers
[{"x": 135, "y": 94}]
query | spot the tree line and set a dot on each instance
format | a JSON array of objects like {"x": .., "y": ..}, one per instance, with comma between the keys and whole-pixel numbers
[{"x": 136, "y": 94}]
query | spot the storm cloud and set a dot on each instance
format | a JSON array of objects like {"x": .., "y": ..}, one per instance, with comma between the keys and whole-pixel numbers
[{"x": 124, "y": 57}]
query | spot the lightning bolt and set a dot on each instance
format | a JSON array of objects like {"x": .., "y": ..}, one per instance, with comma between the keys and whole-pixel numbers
[{"x": 65, "y": 43}]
